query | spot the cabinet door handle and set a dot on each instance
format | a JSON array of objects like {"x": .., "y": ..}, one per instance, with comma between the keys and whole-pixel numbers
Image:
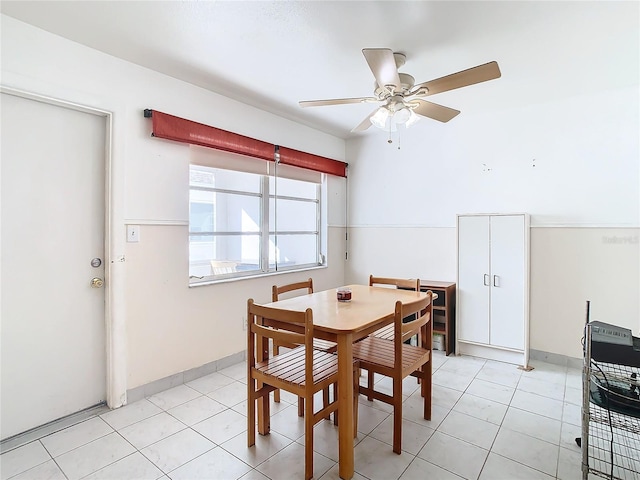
[
  {"x": 495, "y": 281},
  {"x": 486, "y": 280}
]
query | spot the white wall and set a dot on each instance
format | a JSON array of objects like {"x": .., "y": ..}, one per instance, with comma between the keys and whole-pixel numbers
[
  {"x": 572, "y": 265},
  {"x": 583, "y": 191},
  {"x": 172, "y": 328},
  {"x": 585, "y": 152},
  {"x": 169, "y": 327}
]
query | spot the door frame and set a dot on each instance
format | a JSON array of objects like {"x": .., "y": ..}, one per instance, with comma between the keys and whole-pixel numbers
[{"x": 115, "y": 337}]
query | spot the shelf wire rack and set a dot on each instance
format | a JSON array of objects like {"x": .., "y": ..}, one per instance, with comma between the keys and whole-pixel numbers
[{"x": 610, "y": 418}]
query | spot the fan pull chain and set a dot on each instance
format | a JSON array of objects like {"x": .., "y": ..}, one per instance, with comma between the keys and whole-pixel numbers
[{"x": 390, "y": 140}]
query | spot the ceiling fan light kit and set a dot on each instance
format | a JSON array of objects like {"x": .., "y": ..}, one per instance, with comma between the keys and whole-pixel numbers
[
  {"x": 387, "y": 117},
  {"x": 402, "y": 100},
  {"x": 380, "y": 117},
  {"x": 402, "y": 116}
]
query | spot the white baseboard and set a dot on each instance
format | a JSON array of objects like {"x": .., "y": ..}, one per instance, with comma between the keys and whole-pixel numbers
[{"x": 482, "y": 351}]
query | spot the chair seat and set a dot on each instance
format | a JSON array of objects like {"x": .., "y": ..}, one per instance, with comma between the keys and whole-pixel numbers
[
  {"x": 289, "y": 367},
  {"x": 378, "y": 351},
  {"x": 320, "y": 345},
  {"x": 385, "y": 332},
  {"x": 324, "y": 345}
]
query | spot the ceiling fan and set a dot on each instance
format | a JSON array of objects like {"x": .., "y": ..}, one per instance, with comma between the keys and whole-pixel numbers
[{"x": 402, "y": 101}]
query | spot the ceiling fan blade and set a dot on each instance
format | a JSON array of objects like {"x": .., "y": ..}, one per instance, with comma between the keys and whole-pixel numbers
[
  {"x": 435, "y": 111},
  {"x": 366, "y": 123},
  {"x": 336, "y": 101},
  {"x": 471, "y": 76},
  {"x": 383, "y": 65}
]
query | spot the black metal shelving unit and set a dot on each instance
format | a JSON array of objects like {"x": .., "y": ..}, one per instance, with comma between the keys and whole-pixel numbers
[{"x": 611, "y": 403}]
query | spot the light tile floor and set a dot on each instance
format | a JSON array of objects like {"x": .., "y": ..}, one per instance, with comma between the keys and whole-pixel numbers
[{"x": 490, "y": 421}]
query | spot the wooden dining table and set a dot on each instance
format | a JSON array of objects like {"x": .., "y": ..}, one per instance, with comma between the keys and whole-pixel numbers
[{"x": 369, "y": 309}]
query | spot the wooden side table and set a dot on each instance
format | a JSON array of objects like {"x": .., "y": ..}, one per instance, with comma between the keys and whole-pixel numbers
[{"x": 444, "y": 311}]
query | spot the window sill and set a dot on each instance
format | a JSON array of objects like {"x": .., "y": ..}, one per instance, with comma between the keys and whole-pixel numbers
[{"x": 253, "y": 277}]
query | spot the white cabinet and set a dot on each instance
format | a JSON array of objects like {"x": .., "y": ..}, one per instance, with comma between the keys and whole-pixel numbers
[{"x": 493, "y": 286}]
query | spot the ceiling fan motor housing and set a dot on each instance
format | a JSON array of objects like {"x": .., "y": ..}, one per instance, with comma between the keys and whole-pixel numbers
[
  {"x": 406, "y": 84},
  {"x": 400, "y": 59},
  {"x": 395, "y": 103},
  {"x": 407, "y": 81}
]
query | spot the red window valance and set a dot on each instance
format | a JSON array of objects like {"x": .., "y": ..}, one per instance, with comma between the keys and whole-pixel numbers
[
  {"x": 186, "y": 131},
  {"x": 289, "y": 156}
]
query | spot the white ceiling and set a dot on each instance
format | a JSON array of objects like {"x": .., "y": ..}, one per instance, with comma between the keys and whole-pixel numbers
[{"x": 271, "y": 54}]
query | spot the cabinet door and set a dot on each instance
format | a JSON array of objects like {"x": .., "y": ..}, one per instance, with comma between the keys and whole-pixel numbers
[
  {"x": 507, "y": 281},
  {"x": 473, "y": 278}
]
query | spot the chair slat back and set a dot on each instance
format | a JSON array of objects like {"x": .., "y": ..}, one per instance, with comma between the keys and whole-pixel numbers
[
  {"x": 293, "y": 327},
  {"x": 282, "y": 336},
  {"x": 421, "y": 309},
  {"x": 276, "y": 290},
  {"x": 410, "y": 284}
]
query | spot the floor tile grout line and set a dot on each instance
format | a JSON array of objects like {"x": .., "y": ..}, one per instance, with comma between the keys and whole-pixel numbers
[
  {"x": 112, "y": 463},
  {"x": 253, "y": 468},
  {"x": 33, "y": 466},
  {"x": 445, "y": 469},
  {"x": 132, "y": 445},
  {"x": 60, "y": 468},
  {"x": 525, "y": 465},
  {"x": 215, "y": 445},
  {"x": 72, "y": 426}
]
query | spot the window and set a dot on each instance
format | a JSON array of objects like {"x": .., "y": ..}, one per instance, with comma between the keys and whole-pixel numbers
[{"x": 243, "y": 223}]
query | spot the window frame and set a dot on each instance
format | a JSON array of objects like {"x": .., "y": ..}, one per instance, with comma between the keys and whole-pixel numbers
[{"x": 266, "y": 195}]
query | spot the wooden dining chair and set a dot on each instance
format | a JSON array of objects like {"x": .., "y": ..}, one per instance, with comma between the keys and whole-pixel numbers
[
  {"x": 302, "y": 371},
  {"x": 407, "y": 284},
  {"x": 318, "y": 344},
  {"x": 397, "y": 359},
  {"x": 386, "y": 332}
]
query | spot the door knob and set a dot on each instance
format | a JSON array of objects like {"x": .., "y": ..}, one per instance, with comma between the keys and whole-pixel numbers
[{"x": 97, "y": 282}]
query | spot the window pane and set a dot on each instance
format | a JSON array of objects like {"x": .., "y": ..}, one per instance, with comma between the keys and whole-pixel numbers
[
  {"x": 239, "y": 181},
  {"x": 291, "y": 250},
  {"x": 224, "y": 179},
  {"x": 223, "y": 212},
  {"x": 293, "y": 188},
  {"x": 237, "y": 213},
  {"x": 223, "y": 254},
  {"x": 293, "y": 216},
  {"x": 200, "y": 212},
  {"x": 201, "y": 176}
]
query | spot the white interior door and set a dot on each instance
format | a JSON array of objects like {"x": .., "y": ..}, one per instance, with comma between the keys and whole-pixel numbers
[
  {"x": 473, "y": 278},
  {"x": 52, "y": 227},
  {"x": 507, "y": 281}
]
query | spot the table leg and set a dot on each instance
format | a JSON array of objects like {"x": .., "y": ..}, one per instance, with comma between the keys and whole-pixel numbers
[{"x": 345, "y": 406}]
